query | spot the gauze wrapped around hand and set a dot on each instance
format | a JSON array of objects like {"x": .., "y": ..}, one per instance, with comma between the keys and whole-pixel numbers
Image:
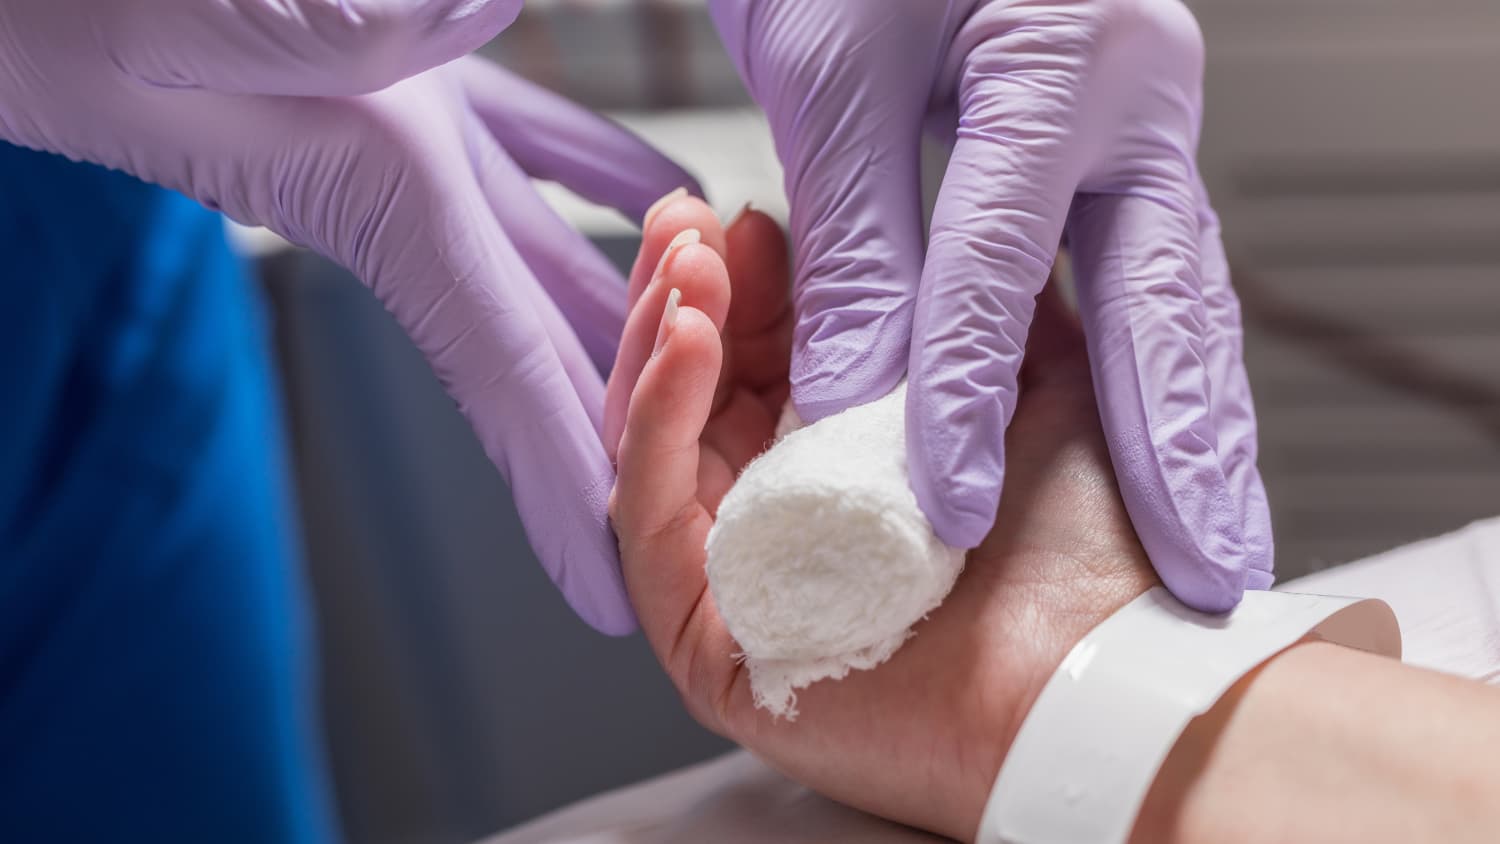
[{"x": 820, "y": 560}]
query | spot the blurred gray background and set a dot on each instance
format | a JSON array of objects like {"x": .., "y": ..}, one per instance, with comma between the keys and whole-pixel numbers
[{"x": 1353, "y": 147}]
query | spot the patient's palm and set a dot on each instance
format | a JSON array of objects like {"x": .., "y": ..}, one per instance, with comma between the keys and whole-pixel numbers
[{"x": 920, "y": 738}]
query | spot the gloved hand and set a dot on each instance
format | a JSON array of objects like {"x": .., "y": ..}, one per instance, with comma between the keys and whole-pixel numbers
[
  {"x": 421, "y": 189},
  {"x": 1069, "y": 117}
]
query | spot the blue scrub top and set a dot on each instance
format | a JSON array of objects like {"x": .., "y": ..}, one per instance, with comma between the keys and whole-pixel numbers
[{"x": 156, "y": 668}]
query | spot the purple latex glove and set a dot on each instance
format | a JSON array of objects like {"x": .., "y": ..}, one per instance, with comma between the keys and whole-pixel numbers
[
  {"x": 1074, "y": 116},
  {"x": 420, "y": 188}
]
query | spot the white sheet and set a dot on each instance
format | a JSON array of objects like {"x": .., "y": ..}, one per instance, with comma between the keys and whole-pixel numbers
[{"x": 1445, "y": 591}]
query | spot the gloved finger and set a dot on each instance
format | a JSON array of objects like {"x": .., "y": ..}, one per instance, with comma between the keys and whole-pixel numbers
[
  {"x": 556, "y": 139},
  {"x": 1230, "y": 404},
  {"x": 485, "y": 334},
  {"x": 847, "y": 123},
  {"x": 856, "y": 234},
  {"x": 298, "y": 47},
  {"x": 995, "y": 232},
  {"x": 498, "y": 345},
  {"x": 1137, "y": 268},
  {"x": 698, "y": 275},
  {"x": 582, "y": 282},
  {"x": 662, "y": 526},
  {"x": 491, "y": 339}
]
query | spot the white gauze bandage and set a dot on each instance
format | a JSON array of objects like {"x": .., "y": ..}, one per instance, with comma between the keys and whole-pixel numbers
[{"x": 820, "y": 560}]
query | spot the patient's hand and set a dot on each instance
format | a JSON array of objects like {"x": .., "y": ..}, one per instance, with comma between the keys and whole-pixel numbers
[{"x": 919, "y": 739}]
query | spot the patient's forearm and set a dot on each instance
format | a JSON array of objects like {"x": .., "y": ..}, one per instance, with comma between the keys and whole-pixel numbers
[{"x": 1328, "y": 744}]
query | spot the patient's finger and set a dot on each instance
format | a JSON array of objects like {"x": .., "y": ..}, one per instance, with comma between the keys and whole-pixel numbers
[
  {"x": 690, "y": 267},
  {"x": 758, "y": 330},
  {"x": 1055, "y": 349},
  {"x": 673, "y": 214},
  {"x": 753, "y": 385},
  {"x": 658, "y": 520}
]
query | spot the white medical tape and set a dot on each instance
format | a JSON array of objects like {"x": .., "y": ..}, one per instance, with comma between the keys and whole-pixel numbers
[{"x": 1093, "y": 742}]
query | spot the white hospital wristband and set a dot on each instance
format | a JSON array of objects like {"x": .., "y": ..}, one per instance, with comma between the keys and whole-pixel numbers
[{"x": 1091, "y": 746}]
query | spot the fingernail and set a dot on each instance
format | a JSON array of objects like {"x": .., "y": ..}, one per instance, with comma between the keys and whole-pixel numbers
[
  {"x": 660, "y": 204},
  {"x": 668, "y": 321},
  {"x": 683, "y": 238},
  {"x": 740, "y": 215}
]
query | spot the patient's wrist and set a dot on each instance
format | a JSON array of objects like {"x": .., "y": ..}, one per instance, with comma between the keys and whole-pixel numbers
[
  {"x": 1183, "y": 804},
  {"x": 1326, "y": 743},
  {"x": 1088, "y": 754},
  {"x": 984, "y": 756}
]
